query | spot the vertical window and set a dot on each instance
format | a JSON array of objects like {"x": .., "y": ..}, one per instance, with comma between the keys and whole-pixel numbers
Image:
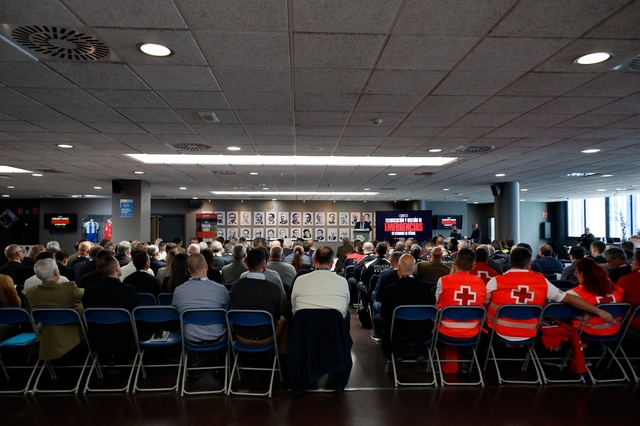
[
  {"x": 620, "y": 217},
  {"x": 635, "y": 217},
  {"x": 595, "y": 216},
  {"x": 575, "y": 213}
]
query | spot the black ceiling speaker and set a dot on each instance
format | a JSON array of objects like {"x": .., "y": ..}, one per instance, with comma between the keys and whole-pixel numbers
[
  {"x": 195, "y": 204},
  {"x": 495, "y": 190}
]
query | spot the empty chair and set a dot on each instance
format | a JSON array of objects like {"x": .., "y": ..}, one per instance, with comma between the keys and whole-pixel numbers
[
  {"x": 203, "y": 317},
  {"x": 113, "y": 328},
  {"x": 165, "y": 299},
  {"x": 252, "y": 318},
  {"x": 147, "y": 299},
  {"x": 155, "y": 315},
  {"x": 59, "y": 317},
  {"x": 470, "y": 318},
  {"x": 527, "y": 317},
  {"x": 412, "y": 313},
  {"x": 27, "y": 338},
  {"x": 626, "y": 335}
]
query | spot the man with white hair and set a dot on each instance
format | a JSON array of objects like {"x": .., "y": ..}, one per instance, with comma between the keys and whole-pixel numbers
[
  {"x": 193, "y": 249},
  {"x": 18, "y": 272},
  {"x": 123, "y": 253},
  {"x": 53, "y": 246},
  {"x": 55, "y": 341},
  {"x": 154, "y": 259},
  {"x": 218, "y": 260},
  {"x": 83, "y": 254},
  {"x": 286, "y": 271}
]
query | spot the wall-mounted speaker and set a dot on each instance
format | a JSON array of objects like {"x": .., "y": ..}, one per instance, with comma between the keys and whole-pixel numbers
[
  {"x": 495, "y": 190},
  {"x": 116, "y": 185},
  {"x": 195, "y": 204}
]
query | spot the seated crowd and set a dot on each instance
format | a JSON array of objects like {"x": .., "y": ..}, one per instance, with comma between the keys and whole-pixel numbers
[{"x": 284, "y": 277}]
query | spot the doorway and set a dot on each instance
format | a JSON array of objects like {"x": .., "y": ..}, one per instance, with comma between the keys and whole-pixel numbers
[{"x": 167, "y": 226}]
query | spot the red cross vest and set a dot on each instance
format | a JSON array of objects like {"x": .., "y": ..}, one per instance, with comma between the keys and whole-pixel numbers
[
  {"x": 517, "y": 288},
  {"x": 461, "y": 289},
  {"x": 483, "y": 271},
  {"x": 596, "y": 325}
]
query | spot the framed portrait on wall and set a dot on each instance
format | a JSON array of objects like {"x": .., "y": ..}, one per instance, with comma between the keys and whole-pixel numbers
[
  {"x": 296, "y": 218},
  {"x": 296, "y": 233},
  {"x": 283, "y": 219},
  {"x": 308, "y": 219},
  {"x": 345, "y": 232},
  {"x": 221, "y": 218},
  {"x": 271, "y": 219},
  {"x": 222, "y": 232},
  {"x": 258, "y": 219},
  {"x": 319, "y": 218},
  {"x": 245, "y": 218},
  {"x": 306, "y": 233},
  {"x": 271, "y": 234},
  {"x": 320, "y": 235},
  {"x": 232, "y": 218},
  {"x": 245, "y": 233},
  {"x": 258, "y": 232},
  {"x": 332, "y": 219},
  {"x": 332, "y": 235},
  {"x": 232, "y": 233},
  {"x": 368, "y": 217},
  {"x": 343, "y": 217},
  {"x": 283, "y": 232},
  {"x": 355, "y": 217}
]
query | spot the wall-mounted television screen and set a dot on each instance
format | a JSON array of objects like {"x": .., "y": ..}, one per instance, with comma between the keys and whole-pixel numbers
[
  {"x": 446, "y": 222},
  {"x": 61, "y": 222}
]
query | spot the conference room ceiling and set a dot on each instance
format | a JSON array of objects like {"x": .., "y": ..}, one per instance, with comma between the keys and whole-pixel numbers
[{"x": 310, "y": 78}]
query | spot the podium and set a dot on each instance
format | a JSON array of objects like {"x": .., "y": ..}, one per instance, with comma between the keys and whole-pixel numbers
[{"x": 361, "y": 234}]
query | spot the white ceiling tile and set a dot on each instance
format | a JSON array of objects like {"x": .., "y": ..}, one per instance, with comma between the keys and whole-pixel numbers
[
  {"x": 329, "y": 81},
  {"x": 571, "y": 105},
  {"x": 104, "y": 114},
  {"x": 424, "y": 53},
  {"x": 11, "y": 97},
  {"x": 403, "y": 82},
  {"x": 321, "y": 118},
  {"x": 163, "y": 77},
  {"x": 64, "y": 126},
  {"x": 511, "y": 104},
  {"x": 254, "y": 79},
  {"x": 475, "y": 83},
  {"x": 219, "y": 129},
  {"x": 48, "y": 11},
  {"x": 540, "y": 120},
  {"x": 484, "y": 120},
  {"x": 448, "y": 104},
  {"x": 134, "y": 14},
  {"x": 592, "y": 120},
  {"x": 337, "y": 16},
  {"x": 552, "y": 19},
  {"x": 194, "y": 99},
  {"x": 628, "y": 105},
  {"x": 464, "y": 132},
  {"x": 416, "y": 132},
  {"x": 546, "y": 84},
  {"x": 320, "y": 102},
  {"x": 368, "y": 131},
  {"x": 99, "y": 75},
  {"x": 129, "y": 128},
  {"x": 318, "y": 130},
  {"x": 619, "y": 25},
  {"x": 235, "y": 49},
  {"x": 275, "y": 130},
  {"x": 388, "y": 103},
  {"x": 151, "y": 115},
  {"x": 29, "y": 74},
  {"x": 264, "y": 117},
  {"x": 35, "y": 113},
  {"x": 432, "y": 120},
  {"x": 336, "y": 50},
  {"x": 237, "y": 15},
  {"x": 129, "y": 98},
  {"x": 259, "y": 100},
  {"x": 19, "y": 126}
]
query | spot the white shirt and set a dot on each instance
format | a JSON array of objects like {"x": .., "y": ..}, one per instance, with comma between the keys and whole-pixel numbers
[
  {"x": 321, "y": 289},
  {"x": 34, "y": 281},
  {"x": 129, "y": 269}
]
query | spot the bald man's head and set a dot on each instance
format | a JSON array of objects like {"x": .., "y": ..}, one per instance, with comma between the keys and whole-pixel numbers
[
  {"x": 406, "y": 265},
  {"x": 193, "y": 249},
  {"x": 196, "y": 265},
  {"x": 436, "y": 254}
]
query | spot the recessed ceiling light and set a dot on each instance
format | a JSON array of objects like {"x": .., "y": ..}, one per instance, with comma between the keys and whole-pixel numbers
[
  {"x": 590, "y": 151},
  {"x": 253, "y": 173},
  {"x": 273, "y": 199},
  {"x": 9, "y": 169},
  {"x": 592, "y": 58},
  {"x": 406, "y": 199},
  {"x": 234, "y": 148},
  {"x": 153, "y": 49},
  {"x": 76, "y": 196},
  {"x": 5, "y": 195},
  {"x": 183, "y": 187},
  {"x": 500, "y": 175},
  {"x": 195, "y": 198},
  {"x": 445, "y": 189},
  {"x": 475, "y": 202},
  {"x": 521, "y": 199},
  {"x": 265, "y": 189},
  {"x": 37, "y": 174},
  {"x": 274, "y": 193},
  {"x": 435, "y": 150},
  {"x": 64, "y": 145},
  {"x": 11, "y": 187},
  {"x": 600, "y": 190},
  {"x": 392, "y": 174},
  {"x": 367, "y": 189},
  {"x": 523, "y": 189},
  {"x": 139, "y": 173},
  {"x": 291, "y": 160},
  {"x": 97, "y": 187},
  {"x": 607, "y": 175}
]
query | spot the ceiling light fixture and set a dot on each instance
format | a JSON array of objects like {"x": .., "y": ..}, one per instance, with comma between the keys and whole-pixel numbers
[
  {"x": 11, "y": 187},
  {"x": 523, "y": 189},
  {"x": 607, "y": 175},
  {"x": 445, "y": 189},
  {"x": 64, "y": 145},
  {"x": 600, "y": 190},
  {"x": 183, "y": 187},
  {"x": 97, "y": 187},
  {"x": 5, "y": 195},
  {"x": 265, "y": 189},
  {"x": 367, "y": 189},
  {"x": 475, "y": 202},
  {"x": 500, "y": 175},
  {"x": 590, "y": 151},
  {"x": 592, "y": 58},
  {"x": 138, "y": 173},
  {"x": 153, "y": 49},
  {"x": 392, "y": 174},
  {"x": 234, "y": 148},
  {"x": 319, "y": 193},
  {"x": 289, "y": 160},
  {"x": 435, "y": 150},
  {"x": 253, "y": 173},
  {"x": 36, "y": 174},
  {"x": 9, "y": 169}
]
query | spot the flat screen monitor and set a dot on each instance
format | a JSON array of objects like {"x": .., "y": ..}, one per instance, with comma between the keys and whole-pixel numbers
[
  {"x": 64, "y": 222},
  {"x": 447, "y": 221}
]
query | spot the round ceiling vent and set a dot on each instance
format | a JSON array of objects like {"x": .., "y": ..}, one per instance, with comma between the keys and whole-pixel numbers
[
  {"x": 191, "y": 146},
  {"x": 473, "y": 149},
  {"x": 635, "y": 63},
  {"x": 61, "y": 43}
]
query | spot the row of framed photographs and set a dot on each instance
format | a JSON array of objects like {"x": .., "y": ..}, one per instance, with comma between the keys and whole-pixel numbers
[
  {"x": 318, "y": 234},
  {"x": 279, "y": 219}
]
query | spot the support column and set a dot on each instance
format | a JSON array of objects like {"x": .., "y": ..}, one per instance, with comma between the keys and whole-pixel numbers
[
  {"x": 131, "y": 210},
  {"x": 506, "y": 198}
]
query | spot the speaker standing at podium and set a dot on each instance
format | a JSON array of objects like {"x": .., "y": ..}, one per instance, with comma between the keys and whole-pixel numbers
[{"x": 362, "y": 225}]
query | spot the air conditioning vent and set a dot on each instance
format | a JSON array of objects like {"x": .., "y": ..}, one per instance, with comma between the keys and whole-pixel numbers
[
  {"x": 192, "y": 146},
  {"x": 474, "y": 149},
  {"x": 223, "y": 172},
  {"x": 54, "y": 43},
  {"x": 635, "y": 63},
  {"x": 209, "y": 117},
  {"x": 418, "y": 173}
]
